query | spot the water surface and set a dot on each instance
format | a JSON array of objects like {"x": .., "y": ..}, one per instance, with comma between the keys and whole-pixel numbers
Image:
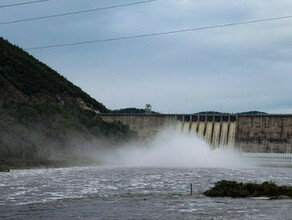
[{"x": 135, "y": 193}]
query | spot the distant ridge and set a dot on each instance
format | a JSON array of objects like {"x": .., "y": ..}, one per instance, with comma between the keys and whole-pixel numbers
[
  {"x": 210, "y": 113},
  {"x": 224, "y": 113},
  {"x": 132, "y": 111},
  {"x": 252, "y": 113}
]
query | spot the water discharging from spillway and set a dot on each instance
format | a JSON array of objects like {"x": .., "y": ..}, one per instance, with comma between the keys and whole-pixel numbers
[
  {"x": 218, "y": 135},
  {"x": 175, "y": 147}
]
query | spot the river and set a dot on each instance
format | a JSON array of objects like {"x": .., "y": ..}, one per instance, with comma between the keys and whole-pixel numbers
[{"x": 135, "y": 193}]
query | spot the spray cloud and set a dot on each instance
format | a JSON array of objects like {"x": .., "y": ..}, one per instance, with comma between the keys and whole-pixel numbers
[{"x": 171, "y": 148}]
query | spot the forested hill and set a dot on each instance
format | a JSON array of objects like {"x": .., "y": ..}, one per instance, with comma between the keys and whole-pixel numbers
[
  {"x": 44, "y": 118},
  {"x": 24, "y": 78}
]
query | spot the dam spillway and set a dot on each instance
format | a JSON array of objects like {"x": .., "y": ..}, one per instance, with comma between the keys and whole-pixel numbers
[
  {"x": 215, "y": 130},
  {"x": 247, "y": 133}
]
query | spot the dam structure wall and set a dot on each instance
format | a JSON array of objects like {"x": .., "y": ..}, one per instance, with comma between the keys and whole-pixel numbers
[{"x": 247, "y": 133}]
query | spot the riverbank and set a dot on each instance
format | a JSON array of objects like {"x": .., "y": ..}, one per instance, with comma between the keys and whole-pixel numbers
[{"x": 7, "y": 166}]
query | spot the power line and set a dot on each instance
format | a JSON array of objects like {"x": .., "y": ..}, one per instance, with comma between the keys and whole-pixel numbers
[
  {"x": 159, "y": 33},
  {"x": 77, "y": 12},
  {"x": 24, "y": 3}
]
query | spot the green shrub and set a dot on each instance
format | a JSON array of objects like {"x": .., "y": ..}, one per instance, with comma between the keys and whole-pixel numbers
[{"x": 235, "y": 189}]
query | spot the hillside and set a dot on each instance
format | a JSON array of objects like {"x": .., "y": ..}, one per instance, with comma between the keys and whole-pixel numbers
[
  {"x": 44, "y": 118},
  {"x": 26, "y": 79}
]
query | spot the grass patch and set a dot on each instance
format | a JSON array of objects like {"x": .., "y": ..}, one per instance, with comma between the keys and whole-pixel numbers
[{"x": 235, "y": 189}]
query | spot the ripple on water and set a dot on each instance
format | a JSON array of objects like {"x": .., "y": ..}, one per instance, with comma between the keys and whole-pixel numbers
[{"x": 30, "y": 186}]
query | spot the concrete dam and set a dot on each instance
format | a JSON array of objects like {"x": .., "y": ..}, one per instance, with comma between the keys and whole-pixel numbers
[{"x": 246, "y": 133}]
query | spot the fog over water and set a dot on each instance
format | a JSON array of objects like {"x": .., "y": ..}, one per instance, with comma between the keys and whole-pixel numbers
[{"x": 171, "y": 148}]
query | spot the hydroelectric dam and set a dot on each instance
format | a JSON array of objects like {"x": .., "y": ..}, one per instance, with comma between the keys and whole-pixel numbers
[{"x": 267, "y": 137}]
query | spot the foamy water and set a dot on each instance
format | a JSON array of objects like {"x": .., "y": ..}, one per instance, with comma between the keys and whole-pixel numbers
[{"x": 135, "y": 193}]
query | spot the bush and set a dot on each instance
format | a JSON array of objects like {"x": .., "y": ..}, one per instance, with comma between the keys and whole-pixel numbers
[{"x": 235, "y": 189}]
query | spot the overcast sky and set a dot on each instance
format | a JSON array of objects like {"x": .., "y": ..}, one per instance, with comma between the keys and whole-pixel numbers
[{"x": 230, "y": 69}]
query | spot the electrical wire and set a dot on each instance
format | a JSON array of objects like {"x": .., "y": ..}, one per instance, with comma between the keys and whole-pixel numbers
[
  {"x": 24, "y": 3},
  {"x": 160, "y": 33},
  {"x": 77, "y": 12}
]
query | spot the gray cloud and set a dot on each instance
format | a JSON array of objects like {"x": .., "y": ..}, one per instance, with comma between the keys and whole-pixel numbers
[{"x": 229, "y": 69}]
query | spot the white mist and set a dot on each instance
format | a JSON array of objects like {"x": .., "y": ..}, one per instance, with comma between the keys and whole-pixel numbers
[{"x": 171, "y": 148}]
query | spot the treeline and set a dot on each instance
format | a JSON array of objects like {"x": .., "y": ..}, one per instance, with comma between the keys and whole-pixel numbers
[
  {"x": 38, "y": 133},
  {"x": 132, "y": 111}
]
